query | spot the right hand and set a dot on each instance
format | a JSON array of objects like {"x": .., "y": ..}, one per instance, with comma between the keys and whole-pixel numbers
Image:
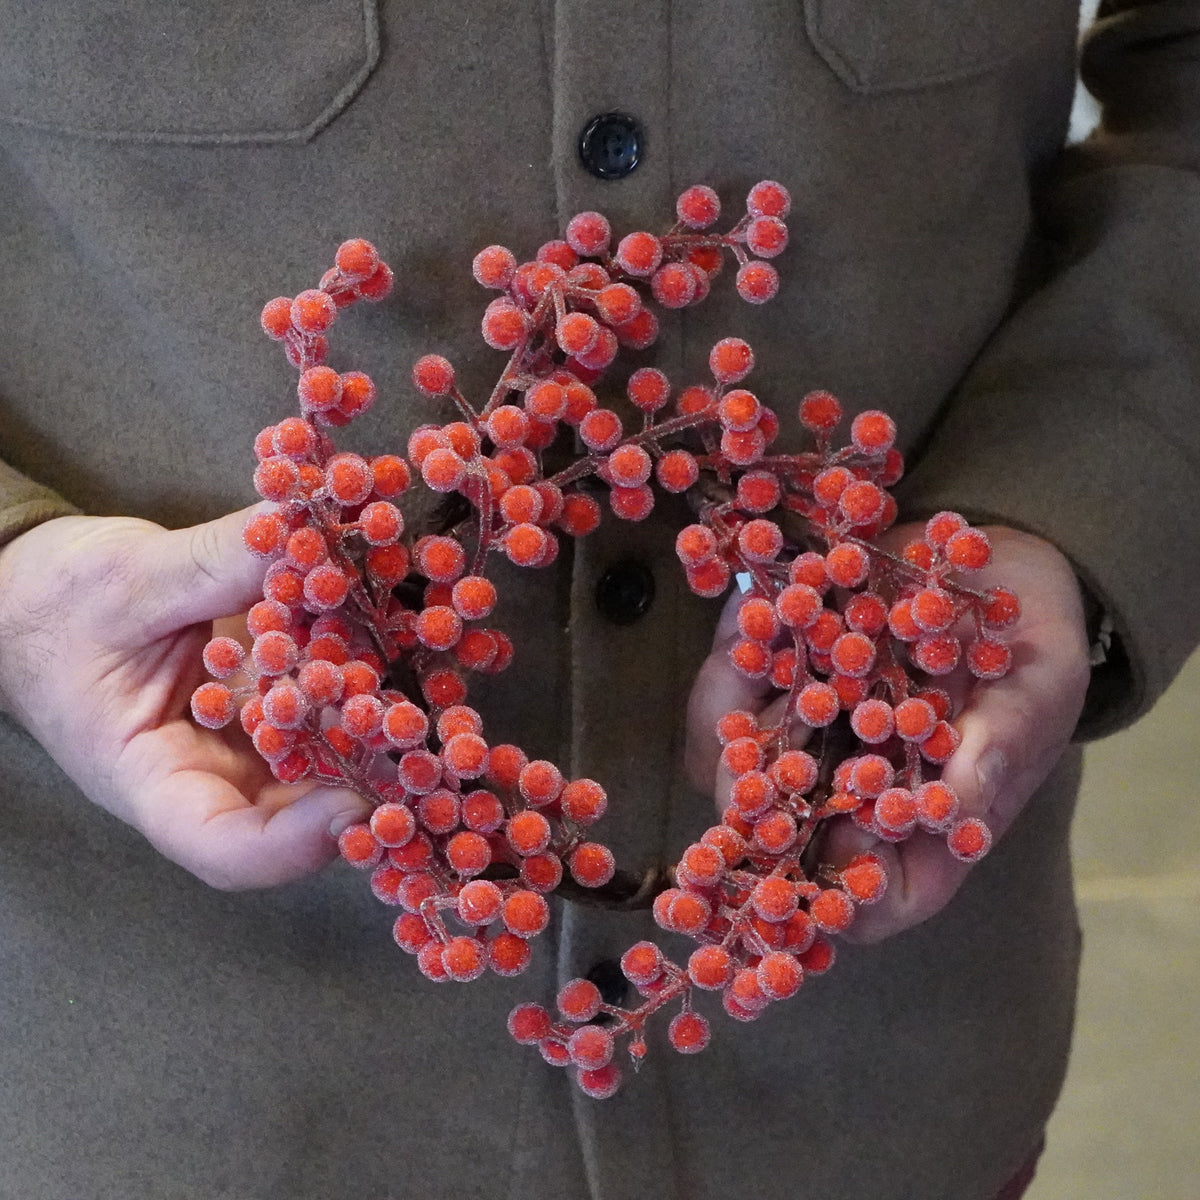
[{"x": 102, "y": 625}]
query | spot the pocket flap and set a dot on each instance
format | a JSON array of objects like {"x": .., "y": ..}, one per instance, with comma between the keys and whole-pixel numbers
[
  {"x": 888, "y": 45},
  {"x": 189, "y": 71}
]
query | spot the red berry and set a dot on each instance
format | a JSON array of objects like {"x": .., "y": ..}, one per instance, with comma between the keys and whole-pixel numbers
[
  {"x": 648, "y": 389},
  {"x": 503, "y": 325},
  {"x": 698, "y": 207},
  {"x": 968, "y": 550},
  {"x": 443, "y": 470},
  {"x": 674, "y": 285},
  {"x": 639, "y": 253},
  {"x": 313, "y": 311},
  {"x": 632, "y": 503},
  {"x": 349, "y": 479},
  {"x": 731, "y": 360},
  {"x": 378, "y": 285},
  {"x": 915, "y": 719},
  {"x": 600, "y": 429},
  {"x": 774, "y": 898},
  {"x": 357, "y": 259},
  {"x": 766, "y": 236},
  {"x": 526, "y": 913},
  {"x": 508, "y": 954},
  {"x": 464, "y": 958},
  {"x": 319, "y": 389},
  {"x": 213, "y": 705},
  {"x": 817, "y": 705},
  {"x": 618, "y": 304},
  {"x": 769, "y": 199},
  {"x": 359, "y": 847},
  {"x": 969, "y": 840},
  {"x": 832, "y": 910},
  {"x": 941, "y": 527},
  {"x": 941, "y": 743},
  {"x": 276, "y": 318},
  {"x": 588, "y": 234},
  {"x": 494, "y": 266},
  {"x": 642, "y": 963},
  {"x": 592, "y": 865},
  {"x": 779, "y": 975},
  {"x": 583, "y": 801},
  {"x": 529, "y": 1023},
  {"x": 710, "y": 967},
  {"x": 393, "y": 824},
  {"x": 820, "y": 412},
  {"x": 223, "y": 656},
  {"x": 433, "y": 375},
  {"x": 937, "y": 805},
  {"x": 677, "y": 471},
  {"x": 469, "y": 853},
  {"x": 873, "y": 432},
  {"x": 872, "y": 720},
  {"x": 936, "y": 654},
  {"x": 988, "y": 659},
  {"x": 847, "y": 564},
  {"x": 757, "y": 282},
  {"x": 576, "y": 333},
  {"x": 864, "y": 878},
  {"x": 896, "y": 811},
  {"x": 629, "y": 466},
  {"x": 760, "y": 540},
  {"x": 689, "y": 1033}
]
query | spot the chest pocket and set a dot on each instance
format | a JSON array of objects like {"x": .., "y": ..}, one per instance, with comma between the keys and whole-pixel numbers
[
  {"x": 198, "y": 71},
  {"x": 892, "y": 45}
]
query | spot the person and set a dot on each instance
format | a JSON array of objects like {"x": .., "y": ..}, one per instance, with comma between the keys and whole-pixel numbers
[{"x": 1028, "y": 316}]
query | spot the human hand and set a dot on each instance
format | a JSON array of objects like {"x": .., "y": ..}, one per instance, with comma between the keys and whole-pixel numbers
[
  {"x": 1013, "y": 729},
  {"x": 102, "y": 625}
]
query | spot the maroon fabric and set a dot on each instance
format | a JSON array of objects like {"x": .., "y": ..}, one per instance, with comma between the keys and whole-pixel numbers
[{"x": 1017, "y": 1186}]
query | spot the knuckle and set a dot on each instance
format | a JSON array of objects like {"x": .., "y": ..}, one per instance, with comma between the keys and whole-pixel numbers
[{"x": 204, "y": 550}]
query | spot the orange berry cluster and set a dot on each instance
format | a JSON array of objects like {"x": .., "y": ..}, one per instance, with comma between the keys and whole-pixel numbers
[
  {"x": 852, "y": 635},
  {"x": 359, "y": 652}
]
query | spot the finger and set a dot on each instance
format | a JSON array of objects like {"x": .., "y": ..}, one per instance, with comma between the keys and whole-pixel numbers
[
  {"x": 1015, "y": 729},
  {"x": 922, "y": 877},
  {"x": 719, "y": 688},
  {"x": 209, "y": 828},
  {"x": 1013, "y": 732},
  {"x": 200, "y": 573}
]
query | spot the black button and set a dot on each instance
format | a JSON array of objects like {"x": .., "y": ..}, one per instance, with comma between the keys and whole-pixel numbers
[
  {"x": 614, "y": 987},
  {"x": 625, "y": 592},
  {"x": 610, "y": 145}
]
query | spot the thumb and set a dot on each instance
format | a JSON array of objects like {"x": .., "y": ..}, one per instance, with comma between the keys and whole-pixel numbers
[
  {"x": 202, "y": 573},
  {"x": 211, "y": 830}
]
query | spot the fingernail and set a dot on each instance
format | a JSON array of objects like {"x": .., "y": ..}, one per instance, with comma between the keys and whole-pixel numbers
[
  {"x": 990, "y": 771},
  {"x": 343, "y": 821}
]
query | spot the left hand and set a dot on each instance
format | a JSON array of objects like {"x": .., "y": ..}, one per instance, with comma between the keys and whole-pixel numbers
[{"x": 1013, "y": 730}]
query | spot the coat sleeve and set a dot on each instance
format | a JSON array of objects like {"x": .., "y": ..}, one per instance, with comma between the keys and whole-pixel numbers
[
  {"x": 24, "y": 503},
  {"x": 1080, "y": 421}
]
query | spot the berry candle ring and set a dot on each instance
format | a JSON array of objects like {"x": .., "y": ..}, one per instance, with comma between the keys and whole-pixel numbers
[{"x": 370, "y": 630}]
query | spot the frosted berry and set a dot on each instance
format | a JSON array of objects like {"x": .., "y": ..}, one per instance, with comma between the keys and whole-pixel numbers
[
  {"x": 757, "y": 282},
  {"x": 588, "y": 234},
  {"x": 313, "y": 311},
  {"x": 769, "y": 199},
  {"x": 689, "y": 1033},
  {"x": 698, "y": 207},
  {"x": 731, "y": 360},
  {"x": 639, "y": 253}
]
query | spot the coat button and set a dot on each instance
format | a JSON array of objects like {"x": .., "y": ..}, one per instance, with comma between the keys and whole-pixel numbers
[
  {"x": 610, "y": 146},
  {"x": 625, "y": 592}
]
